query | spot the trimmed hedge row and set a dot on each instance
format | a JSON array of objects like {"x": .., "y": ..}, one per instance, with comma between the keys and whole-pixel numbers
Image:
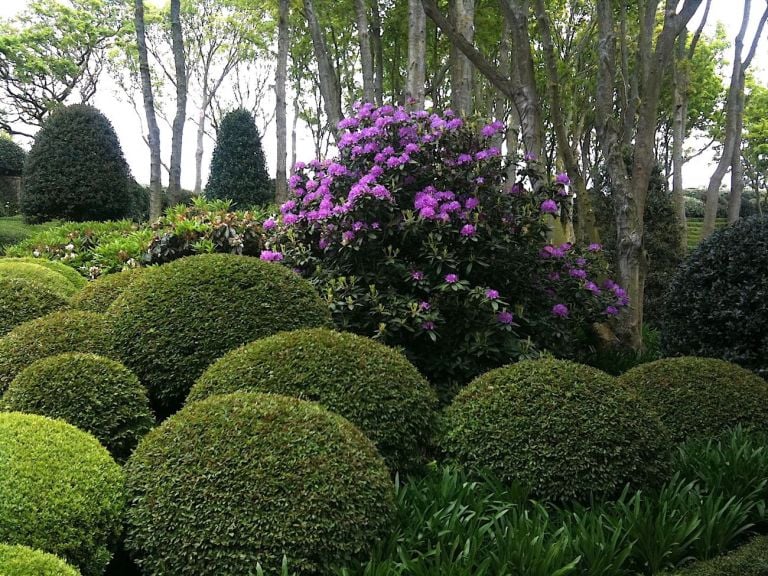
[{"x": 74, "y": 277}]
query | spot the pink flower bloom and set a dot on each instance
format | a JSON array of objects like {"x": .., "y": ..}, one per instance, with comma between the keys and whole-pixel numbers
[
  {"x": 563, "y": 179},
  {"x": 468, "y": 230},
  {"x": 417, "y": 275},
  {"x": 549, "y": 207},
  {"x": 451, "y": 278},
  {"x": 269, "y": 224},
  {"x": 491, "y": 294}
]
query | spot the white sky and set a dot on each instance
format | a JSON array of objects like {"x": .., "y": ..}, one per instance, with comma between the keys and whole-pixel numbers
[{"x": 123, "y": 117}]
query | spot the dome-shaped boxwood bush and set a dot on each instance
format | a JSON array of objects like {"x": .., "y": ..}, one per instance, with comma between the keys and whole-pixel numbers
[
  {"x": 98, "y": 295},
  {"x": 76, "y": 169},
  {"x": 238, "y": 167},
  {"x": 24, "y": 561},
  {"x": 371, "y": 385},
  {"x": 563, "y": 429},
  {"x": 716, "y": 305},
  {"x": 56, "y": 333},
  {"x": 11, "y": 157},
  {"x": 74, "y": 277},
  {"x": 60, "y": 491},
  {"x": 243, "y": 478},
  {"x": 11, "y": 268},
  {"x": 22, "y": 300},
  {"x": 701, "y": 397},
  {"x": 96, "y": 394},
  {"x": 175, "y": 320}
]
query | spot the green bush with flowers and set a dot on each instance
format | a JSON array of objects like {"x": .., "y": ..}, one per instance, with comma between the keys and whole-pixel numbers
[{"x": 414, "y": 237}]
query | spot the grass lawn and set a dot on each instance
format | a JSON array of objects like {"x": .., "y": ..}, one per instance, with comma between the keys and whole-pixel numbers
[
  {"x": 13, "y": 230},
  {"x": 694, "y": 230}
]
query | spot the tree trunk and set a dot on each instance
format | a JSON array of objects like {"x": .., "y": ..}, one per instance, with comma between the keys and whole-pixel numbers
[
  {"x": 177, "y": 47},
  {"x": 293, "y": 134},
  {"x": 737, "y": 168},
  {"x": 199, "y": 149},
  {"x": 281, "y": 177},
  {"x": 378, "y": 53},
  {"x": 153, "y": 136},
  {"x": 679, "y": 118},
  {"x": 417, "y": 55},
  {"x": 462, "y": 14},
  {"x": 366, "y": 54}
]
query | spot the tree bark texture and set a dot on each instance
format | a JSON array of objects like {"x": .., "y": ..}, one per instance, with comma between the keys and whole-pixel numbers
[
  {"x": 281, "y": 176},
  {"x": 378, "y": 52},
  {"x": 417, "y": 55},
  {"x": 330, "y": 89},
  {"x": 366, "y": 52},
  {"x": 462, "y": 15},
  {"x": 180, "y": 69}
]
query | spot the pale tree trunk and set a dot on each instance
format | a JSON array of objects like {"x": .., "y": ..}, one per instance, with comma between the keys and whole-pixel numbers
[
  {"x": 378, "y": 53},
  {"x": 678, "y": 136},
  {"x": 330, "y": 89},
  {"x": 281, "y": 177},
  {"x": 737, "y": 168},
  {"x": 153, "y": 137},
  {"x": 366, "y": 54},
  {"x": 177, "y": 47},
  {"x": 462, "y": 15},
  {"x": 201, "y": 115},
  {"x": 417, "y": 55},
  {"x": 293, "y": 133}
]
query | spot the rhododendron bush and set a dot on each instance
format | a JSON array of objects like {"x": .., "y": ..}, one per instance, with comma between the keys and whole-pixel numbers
[{"x": 415, "y": 237}]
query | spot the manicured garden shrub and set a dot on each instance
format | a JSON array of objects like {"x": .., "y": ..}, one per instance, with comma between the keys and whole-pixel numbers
[
  {"x": 11, "y": 157},
  {"x": 562, "y": 429},
  {"x": 60, "y": 491},
  {"x": 11, "y": 268},
  {"x": 22, "y": 300},
  {"x": 716, "y": 305},
  {"x": 701, "y": 397},
  {"x": 98, "y": 295},
  {"x": 76, "y": 169},
  {"x": 25, "y": 561},
  {"x": 243, "y": 478},
  {"x": 238, "y": 166},
  {"x": 371, "y": 385},
  {"x": 749, "y": 560},
  {"x": 74, "y": 277},
  {"x": 96, "y": 394},
  {"x": 56, "y": 333},
  {"x": 175, "y": 320}
]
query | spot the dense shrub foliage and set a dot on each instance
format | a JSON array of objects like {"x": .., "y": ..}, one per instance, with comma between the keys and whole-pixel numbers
[
  {"x": 11, "y": 157},
  {"x": 244, "y": 478},
  {"x": 56, "y": 333},
  {"x": 716, "y": 305},
  {"x": 697, "y": 397},
  {"x": 414, "y": 238},
  {"x": 96, "y": 394},
  {"x": 22, "y": 300},
  {"x": 60, "y": 491},
  {"x": 562, "y": 429},
  {"x": 76, "y": 279},
  {"x": 749, "y": 560},
  {"x": 373, "y": 386},
  {"x": 175, "y": 320},
  {"x": 238, "y": 166},
  {"x": 99, "y": 294},
  {"x": 76, "y": 169},
  {"x": 12, "y": 268},
  {"x": 25, "y": 561}
]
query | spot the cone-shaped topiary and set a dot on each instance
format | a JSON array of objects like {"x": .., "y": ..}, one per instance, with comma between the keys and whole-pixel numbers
[
  {"x": 76, "y": 169},
  {"x": 74, "y": 277},
  {"x": 12, "y": 268},
  {"x": 56, "y": 333},
  {"x": 238, "y": 167},
  {"x": 22, "y": 300},
  {"x": 701, "y": 397},
  {"x": 175, "y": 320},
  {"x": 24, "y": 561},
  {"x": 98, "y": 295},
  {"x": 371, "y": 385},
  {"x": 11, "y": 157},
  {"x": 243, "y": 478},
  {"x": 563, "y": 429},
  {"x": 60, "y": 491},
  {"x": 96, "y": 394}
]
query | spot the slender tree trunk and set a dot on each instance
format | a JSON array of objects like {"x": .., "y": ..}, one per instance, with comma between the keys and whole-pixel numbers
[
  {"x": 199, "y": 150},
  {"x": 737, "y": 167},
  {"x": 366, "y": 53},
  {"x": 293, "y": 133},
  {"x": 417, "y": 55},
  {"x": 153, "y": 137},
  {"x": 378, "y": 52},
  {"x": 177, "y": 47},
  {"x": 678, "y": 136},
  {"x": 281, "y": 177},
  {"x": 462, "y": 15},
  {"x": 330, "y": 89}
]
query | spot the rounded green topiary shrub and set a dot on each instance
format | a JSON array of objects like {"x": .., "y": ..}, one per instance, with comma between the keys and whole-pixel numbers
[
  {"x": 10, "y": 268},
  {"x": 96, "y": 394},
  {"x": 74, "y": 277},
  {"x": 243, "y": 478},
  {"x": 25, "y": 561},
  {"x": 701, "y": 397},
  {"x": 60, "y": 491},
  {"x": 11, "y": 157},
  {"x": 716, "y": 304},
  {"x": 76, "y": 169},
  {"x": 371, "y": 385},
  {"x": 98, "y": 295},
  {"x": 175, "y": 320},
  {"x": 56, "y": 333},
  {"x": 562, "y": 429},
  {"x": 22, "y": 300},
  {"x": 750, "y": 559}
]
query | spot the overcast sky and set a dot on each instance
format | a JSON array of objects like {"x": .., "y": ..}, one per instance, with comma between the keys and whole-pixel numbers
[{"x": 127, "y": 125}]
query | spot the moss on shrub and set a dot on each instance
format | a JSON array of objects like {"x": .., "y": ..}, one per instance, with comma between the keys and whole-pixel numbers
[
  {"x": 371, "y": 385},
  {"x": 11, "y": 268},
  {"x": 60, "y": 491},
  {"x": 56, "y": 333},
  {"x": 701, "y": 397},
  {"x": 98, "y": 295},
  {"x": 96, "y": 394},
  {"x": 563, "y": 429},
  {"x": 22, "y": 300},
  {"x": 243, "y": 478},
  {"x": 749, "y": 560},
  {"x": 25, "y": 561},
  {"x": 74, "y": 277},
  {"x": 176, "y": 319}
]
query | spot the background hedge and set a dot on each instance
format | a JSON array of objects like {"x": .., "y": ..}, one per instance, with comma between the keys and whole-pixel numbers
[
  {"x": 99, "y": 295},
  {"x": 25, "y": 561},
  {"x": 22, "y": 300}
]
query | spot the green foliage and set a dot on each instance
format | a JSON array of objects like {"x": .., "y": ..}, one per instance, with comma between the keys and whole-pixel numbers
[
  {"x": 694, "y": 207},
  {"x": 701, "y": 397},
  {"x": 99, "y": 294},
  {"x": 616, "y": 360},
  {"x": 755, "y": 136},
  {"x": 749, "y": 560},
  {"x": 76, "y": 169},
  {"x": 56, "y": 333},
  {"x": 13, "y": 230},
  {"x": 38, "y": 274},
  {"x": 95, "y": 394},
  {"x": 174, "y": 320},
  {"x": 25, "y": 561},
  {"x": 244, "y": 478},
  {"x": 60, "y": 491},
  {"x": 11, "y": 158},
  {"x": 76, "y": 279},
  {"x": 238, "y": 167},
  {"x": 373, "y": 386},
  {"x": 22, "y": 300},
  {"x": 565, "y": 430}
]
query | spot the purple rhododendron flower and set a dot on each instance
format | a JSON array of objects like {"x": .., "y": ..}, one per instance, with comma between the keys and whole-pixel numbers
[
  {"x": 595, "y": 247},
  {"x": 288, "y": 206},
  {"x": 505, "y": 317},
  {"x": 560, "y": 310},
  {"x": 451, "y": 278},
  {"x": 428, "y": 325},
  {"x": 491, "y": 294},
  {"x": 577, "y": 273},
  {"x": 611, "y": 311},
  {"x": 471, "y": 203},
  {"x": 290, "y": 219},
  {"x": 468, "y": 230},
  {"x": 562, "y": 178},
  {"x": 417, "y": 275},
  {"x": 269, "y": 224},
  {"x": 269, "y": 256},
  {"x": 348, "y": 236},
  {"x": 549, "y": 207},
  {"x": 424, "y": 305},
  {"x": 592, "y": 287},
  {"x": 492, "y": 129},
  {"x": 529, "y": 157},
  {"x": 464, "y": 159}
]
